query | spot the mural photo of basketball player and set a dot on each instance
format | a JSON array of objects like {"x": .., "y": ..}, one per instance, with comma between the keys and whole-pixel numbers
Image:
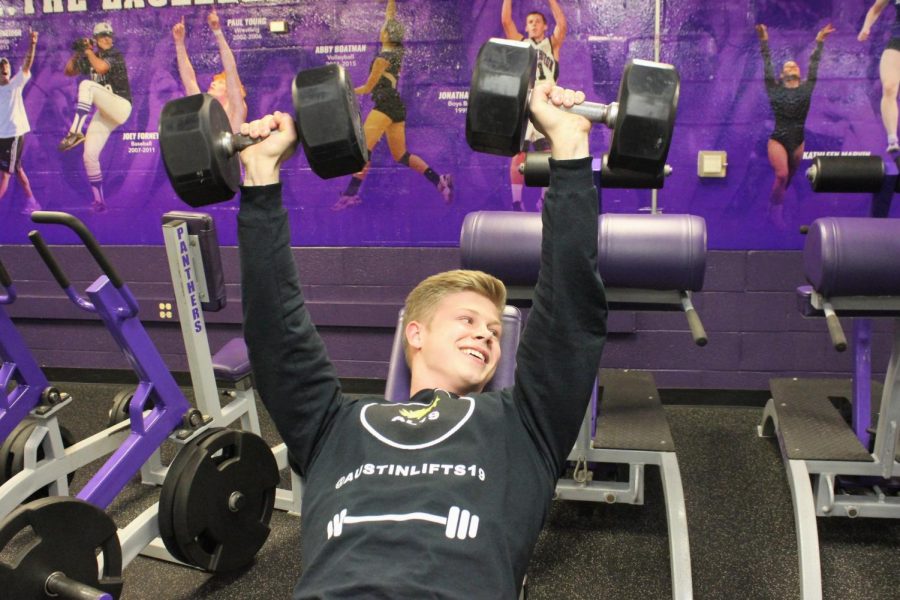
[
  {"x": 388, "y": 117},
  {"x": 548, "y": 48}
]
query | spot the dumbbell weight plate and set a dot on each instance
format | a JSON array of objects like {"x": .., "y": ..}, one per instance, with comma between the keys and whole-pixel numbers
[
  {"x": 328, "y": 122},
  {"x": 61, "y": 534},
  {"x": 648, "y": 100},
  {"x": 202, "y": 169}
]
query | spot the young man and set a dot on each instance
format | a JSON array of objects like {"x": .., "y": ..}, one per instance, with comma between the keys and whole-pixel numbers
[
  {"x": 547, "y": 70},
  {"x": 444, "y": 496},
  {"x": 226, "y": 86},
  {"x": 14, "y": 125},
  {"x": 107, "y": 90}
]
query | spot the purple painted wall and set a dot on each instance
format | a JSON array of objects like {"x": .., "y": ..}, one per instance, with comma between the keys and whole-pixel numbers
[{"x": 748, "y": 309}]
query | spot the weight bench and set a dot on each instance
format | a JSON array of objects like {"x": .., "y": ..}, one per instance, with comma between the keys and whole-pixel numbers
[
  {"x": 833, "y": 468},
  {"x": 647, "y": 262}
]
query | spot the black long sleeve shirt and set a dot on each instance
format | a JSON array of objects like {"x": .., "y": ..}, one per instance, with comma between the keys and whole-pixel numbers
[{"x": 446, "y": 501}]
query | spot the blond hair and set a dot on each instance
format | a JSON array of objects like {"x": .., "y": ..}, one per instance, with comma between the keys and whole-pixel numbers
[{"x": 422, "y": 302}]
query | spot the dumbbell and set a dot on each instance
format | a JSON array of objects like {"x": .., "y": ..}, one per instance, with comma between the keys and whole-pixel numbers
[
  {"x": 536, "y": 169},
  {"x": 642, "y": 118},
  {"x": 199, "y": 150}
]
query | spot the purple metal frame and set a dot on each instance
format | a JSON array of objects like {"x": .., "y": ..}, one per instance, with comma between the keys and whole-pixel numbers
[
  {"x": 862, "y": 380},
  {"x": 113, "y": 302},
  {"x": 19, "y": 364}
]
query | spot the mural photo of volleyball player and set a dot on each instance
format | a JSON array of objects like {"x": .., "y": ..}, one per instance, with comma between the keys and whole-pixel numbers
[
  {"x": 14, "y": 125},
  {"x": 548, "y": 48},
  {"x": 388, "y": 117},
  {"x": 104, "y": 96},
  {"x": 790, "y": 97}
]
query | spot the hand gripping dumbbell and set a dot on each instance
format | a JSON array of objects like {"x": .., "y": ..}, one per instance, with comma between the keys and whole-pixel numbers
[
  {"x": 200, "y": 151},
  {"x": 642, "y": 118}
]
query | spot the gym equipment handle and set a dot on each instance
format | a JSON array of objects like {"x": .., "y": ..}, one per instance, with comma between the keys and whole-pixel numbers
[
  {"x": 697, "y": 330},
  {"x": 60, "y": 585},
  {"x": 41, "y": 246},
  {"x": 835, "y": 331},
  {"x": 5, "y": 279},
  {"x": 73, "y": 223}
]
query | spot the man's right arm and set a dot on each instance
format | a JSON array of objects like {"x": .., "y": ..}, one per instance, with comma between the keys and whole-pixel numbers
[
  {"x": 293, "y": 374},
  {"x": 506, "y": 19}
]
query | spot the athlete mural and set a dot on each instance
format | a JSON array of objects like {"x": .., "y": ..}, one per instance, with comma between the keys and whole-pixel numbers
[{"x": 100, "y": 73}]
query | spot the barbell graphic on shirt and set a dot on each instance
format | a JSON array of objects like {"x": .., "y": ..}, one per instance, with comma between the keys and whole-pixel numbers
[{"x": 458, "y": 523}]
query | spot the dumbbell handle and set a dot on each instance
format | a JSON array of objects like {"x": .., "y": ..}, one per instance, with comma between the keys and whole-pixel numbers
[
  {"x": 596, "y": 112},
  {"x": 235, "y": 142}
]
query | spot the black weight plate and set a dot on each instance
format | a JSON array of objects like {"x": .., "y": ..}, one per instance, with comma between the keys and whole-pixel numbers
[
  {"x": 208, "y": 532},
  {"x": 15, "y": 455},
  {"x": 118, "y": 412},
  {"x": 66, "y": 534},
  {"x": 188, "y": 455},
  {"x": 6, "y": 456}
]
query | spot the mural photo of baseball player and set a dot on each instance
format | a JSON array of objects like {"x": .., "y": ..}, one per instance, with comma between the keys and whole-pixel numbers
[
  {"x": 106, "y": 93},
  {"x": 388, "y": 117},
  {"x": 790, "y": 98},
  {"x": 548, "y": 48},
  {"x": 14, "y": 125},
  {"x": 226, "y": 86}
]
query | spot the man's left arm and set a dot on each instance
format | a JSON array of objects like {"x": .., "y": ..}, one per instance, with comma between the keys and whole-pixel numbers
[{"x": 560, "y": 349}]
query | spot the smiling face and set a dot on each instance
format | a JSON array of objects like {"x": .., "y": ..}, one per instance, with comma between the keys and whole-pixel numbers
[
  {"x": 457, "y": 349},
  {"x": 5, "y": 71}
]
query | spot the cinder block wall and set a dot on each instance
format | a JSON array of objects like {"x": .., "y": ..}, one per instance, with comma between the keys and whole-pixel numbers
[{"x": 748, "y": 307}]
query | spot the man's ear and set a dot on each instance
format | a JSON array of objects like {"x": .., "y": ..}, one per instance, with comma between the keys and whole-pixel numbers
[{"x": 414, "y": 334}]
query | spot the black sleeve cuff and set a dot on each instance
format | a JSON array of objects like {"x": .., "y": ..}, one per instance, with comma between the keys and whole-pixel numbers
[
  {"x": 260, "y": 197},
  {"x": 573, "y": 173}
]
